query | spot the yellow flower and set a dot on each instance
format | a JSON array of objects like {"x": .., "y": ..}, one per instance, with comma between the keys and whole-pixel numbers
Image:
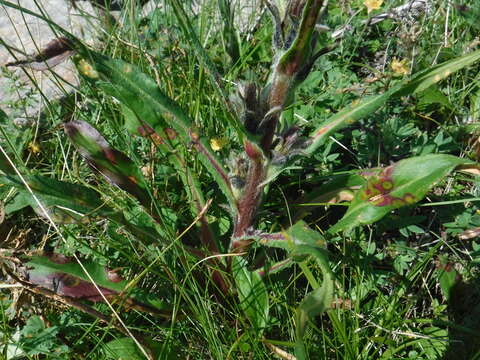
[
  {"x": 87, "y": 69},
  {"x": 217, "y": 143},
  {"x": 372, "y": 5},
  {"x": 400, "y": 67},
  {"x": 34, "y": 147}
]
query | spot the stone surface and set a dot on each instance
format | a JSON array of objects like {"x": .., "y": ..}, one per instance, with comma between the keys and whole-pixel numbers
[{"x": 24, "y": 34}]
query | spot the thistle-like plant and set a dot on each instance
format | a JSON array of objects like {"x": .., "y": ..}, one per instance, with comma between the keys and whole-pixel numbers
[{"x": 268, "y": 146}]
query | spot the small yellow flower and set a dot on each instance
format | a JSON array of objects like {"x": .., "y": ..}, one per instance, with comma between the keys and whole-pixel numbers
[
  {"x": 87, "y": 69},
  {"x": 372, "y": 5},
  {"x": 400, "y": 67},
  {"x": 34, "y": 147},
  {"x": 217, "y": 143}
]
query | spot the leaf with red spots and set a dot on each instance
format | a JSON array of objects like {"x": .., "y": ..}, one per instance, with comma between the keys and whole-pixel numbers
[
  {"x": 401, "y": 184},
  {"x": 66, "y": 277},
  {"x": 117, "y": 168},
  {"x": 149, "y": 105}
]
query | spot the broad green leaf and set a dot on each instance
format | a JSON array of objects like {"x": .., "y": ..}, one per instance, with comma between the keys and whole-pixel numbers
[
  {"x": 252, "y": 294},
  {"x": 298, "y": 234},
  {"x": 65, "y": 202},
  {"x": 66, "y": 277},
  {"x": 111, "y": 163},
  {"x": 316, "y": 302},
  {"x": 19, "y": 201},
  {"x": 447, "y": 277},
  {"x": 123, "y": 348},
  {"x": 359, "y": 110},
  {"x": 401, "y": 184},
  {"x": 137, "y": 91},
  {"x": 300, "y": 241},
  {"x": 38, "y": 339}
]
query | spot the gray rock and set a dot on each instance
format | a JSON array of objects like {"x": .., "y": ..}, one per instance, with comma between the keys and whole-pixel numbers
[{"x": 23, "y": 34}]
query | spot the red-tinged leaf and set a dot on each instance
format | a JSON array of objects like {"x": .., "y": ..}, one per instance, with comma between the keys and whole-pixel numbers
[
  {"x": 401, "y": 184},
  {"x": 66, "y": 277},
  {"x": 148, "y": 105},
  {"x": 54, "y": 53},
  {"x": 117, "y": 168}
]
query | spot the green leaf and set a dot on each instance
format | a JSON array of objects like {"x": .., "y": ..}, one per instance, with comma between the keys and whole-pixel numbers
[
  {"x": 65, "y": 202},
  {"x": 123, "y": 348},
  {"x": 37, "y": 339},
  {"x": 417, "y": 83},
  {"x": 126, "y": 348},
  {"x": 297, "y": 235},
  {"x": 17, "y": 202},
  {"x": 137, "y": 91},
  {"x": 433, "y": 95},
  {"x": 447, "y": 277},
  {"x": 252, "y": 294},
  {"x": 346, "y": 117},
  {"x": 301, "y": 242},
  {"x": 401, "y": 184},
  {"x": 426, "y": 78}
]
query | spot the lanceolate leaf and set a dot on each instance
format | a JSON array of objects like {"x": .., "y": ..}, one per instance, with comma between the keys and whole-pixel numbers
[
  {"x": 142, "y": 95},
  {"x": 365, "y": 107},
  {"x": 301, "y": 241},
  {"x": 316, "y": 302},
  {"x": 346, "y": 117},
  {"x": 252, "y": 294},
  {"x": 401, "y": 184},
  {"x": 113, "y": 164},
  {"x": 433, "y": 75},
  {"x": 66, "y": 277}
]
